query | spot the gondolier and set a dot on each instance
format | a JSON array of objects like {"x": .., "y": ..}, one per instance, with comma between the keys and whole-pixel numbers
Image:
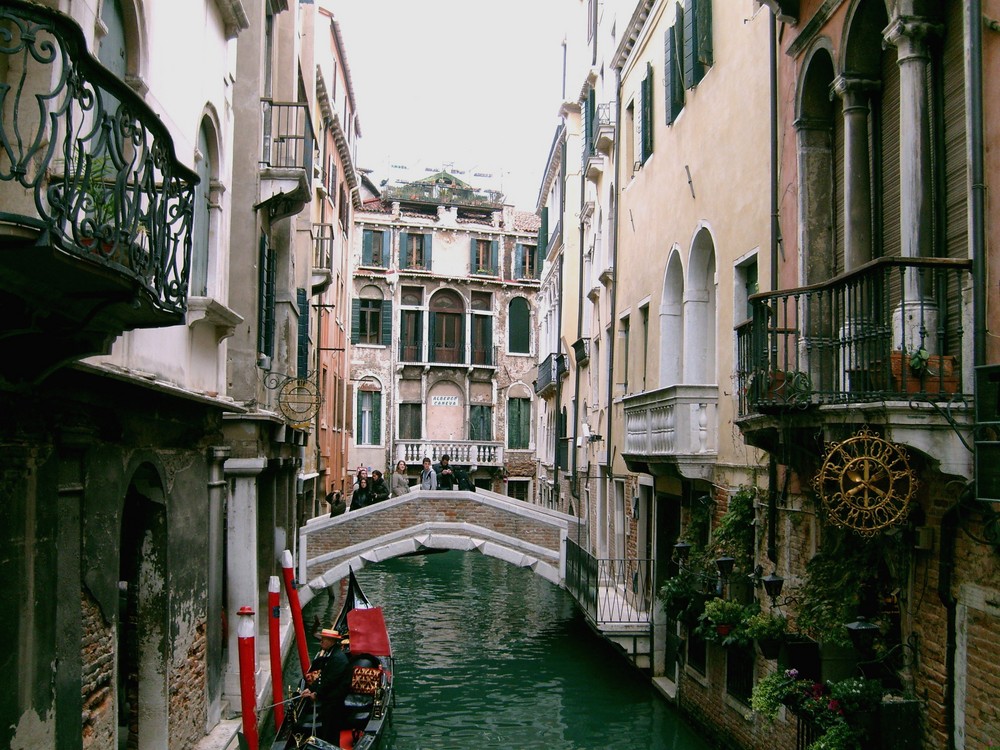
[{"x": 329, "y": 680}]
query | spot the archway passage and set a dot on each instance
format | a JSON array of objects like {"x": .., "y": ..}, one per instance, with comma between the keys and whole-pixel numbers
[{"x": 524, "y": 535}]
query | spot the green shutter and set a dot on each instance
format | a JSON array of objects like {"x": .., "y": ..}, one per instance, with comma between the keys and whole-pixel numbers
[
  {"x": 386, "y": 322},
  {"x": 672, "y": 86},
  {"x": 495, "y": 257},
  {"x": 355, "y": 321},
  {"x": 697, "y": 40},
  {"x": 427, "y": 251},
  {"x": 473, "y": 267},
  {"x": 647, "y": 113},
  {"x": 463, "y": 321},
  {"x": 519, "y": 261},
  {"x": 543, "y": 230},
  {"x": 386, "y": 247},
  {"x": 403, "y": 259},
  {"x": 376, "y": 418},
  {"x": 431, "y": 339},
  {"x": 705, "y": 47},
  {"x": 588, "y": 123},
  {"x": 366, "y": 247}
]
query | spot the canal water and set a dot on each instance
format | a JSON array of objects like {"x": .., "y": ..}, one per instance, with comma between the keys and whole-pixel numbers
[{"x": 490, "y": 656}]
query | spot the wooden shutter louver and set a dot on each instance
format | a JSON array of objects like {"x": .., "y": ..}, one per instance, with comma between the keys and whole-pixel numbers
[
  {"x": 355, "y": 321},
  {"x": 303, "y": 339},
  {"x": 386, "y": 322},
  {"x": 673, "y": 90},
  {"x": 889, "y": 176}
]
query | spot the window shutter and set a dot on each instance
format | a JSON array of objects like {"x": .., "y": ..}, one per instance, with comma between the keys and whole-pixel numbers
[
  {"x": 463, "y": 323},
  {"x": 366, "y": 247},
  {"x": 647, "y": 113},
  {"x": 697, "y": 40},
  {"x": 376, "y": 418},
  {"x": 427, "y": 251},
  {"x": 495, "y": 257},
  {"x": 588, "y": 123},
  {"x": 672, "y": 87},
  {"x": 431, "y": 338},
  {"x": 519, "y": 261},
  {"x": 359, "y": 438},
  {"x": 705, "y": 50},
  {"x": 488, "y": 340},
  {"x": 303, "y": 344},
  {"x": 403, "y": 255},
  {"x": 386, "y": 322},
  {"x": 355, "y": 321},
  {"x": 386, "y": 247},
  {"x": 472, "y": 255},
  {"x": 543, "y": 229}
]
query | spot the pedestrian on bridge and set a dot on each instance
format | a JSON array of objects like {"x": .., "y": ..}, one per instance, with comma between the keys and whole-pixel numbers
[
  {"x": 445, "y": 473},
  {"x": 400, "y": 484},
  {"x": 380, "y": 490},
  {"x": 362, "y": 497},
  {"x": 428, "y": 477}
]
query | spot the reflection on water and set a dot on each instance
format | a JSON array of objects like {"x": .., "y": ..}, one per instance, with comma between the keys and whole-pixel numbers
[{"x": 492, "y": 656}]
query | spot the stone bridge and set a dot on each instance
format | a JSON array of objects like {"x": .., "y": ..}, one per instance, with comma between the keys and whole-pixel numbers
[{"x": 525, "y": 535}]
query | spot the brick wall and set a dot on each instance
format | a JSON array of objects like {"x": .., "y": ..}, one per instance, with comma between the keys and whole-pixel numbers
[
  {"x": 188, "y": 692},
  {"x": 97, "y": 677}
]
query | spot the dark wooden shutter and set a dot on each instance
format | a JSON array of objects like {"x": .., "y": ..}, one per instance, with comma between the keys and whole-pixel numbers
[
  {"x": 267, "y": 270},
  {"x": 355, "y": 321},
  {"x": 955, "y": 191},
  {"x": 887, "y": 118},
  {"x": 386, "y": 247},
  {"x": 376, "y": 418},
  {"x": 647, "y": 113},
  {"x": 404, "y": 257},
  {"x": 519, "y": 261},
  {"x": 303, "y": 342},
  {"x": 431, "y": 337},
  {"x": 588, "y": 123},
  {"x": 366, "y": 247},
  {"x": 427, "y": 251},
  {"x": 386, "y": 322},
  {"x": 495, "y": 257},
  {"x": 473, "y": 255},
  {"x": 703, "y": 10},
  {"x": 838, "y": 187},
  {"x": 690, "y": 45},
  {"x": 543, "y": 229},
  {"x": 673, "y": 89}
]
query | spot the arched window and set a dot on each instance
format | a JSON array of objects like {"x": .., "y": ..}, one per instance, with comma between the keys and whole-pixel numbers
[
  {"x": 519, "y": 418},
  {"x": 518, "y": 326},
  {"x": 371, "y": 319},
  {"x": 202, "y": 217}
]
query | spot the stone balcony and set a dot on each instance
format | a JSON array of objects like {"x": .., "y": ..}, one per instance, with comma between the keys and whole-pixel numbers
[
  {"x": 672, "y": 430},
  {"x": 465, "y": 453}
]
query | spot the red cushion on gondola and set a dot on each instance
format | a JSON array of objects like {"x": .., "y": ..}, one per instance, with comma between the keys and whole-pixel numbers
[{"x": 368, "y": 632}]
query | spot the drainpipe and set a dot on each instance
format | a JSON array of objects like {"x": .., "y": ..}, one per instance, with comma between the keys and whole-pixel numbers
[
  {"x": 946, "y": 565},
  {"x": 773, "y": 74},
  {"x": 573, "y": 487},
  {"x": 974, "y": 97},
  {"x": 558, "y": 353},
  {"x": 614, "y": 269}
]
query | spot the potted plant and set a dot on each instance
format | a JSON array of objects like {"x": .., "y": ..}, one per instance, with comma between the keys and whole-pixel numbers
[
  {"x": 773, "y": 691},
  {"x": 679, "y": 594},
  {"x": 918, "y": 370},
  {"x": 722, "y": 622},
  {"x": 768, "y": 630}
]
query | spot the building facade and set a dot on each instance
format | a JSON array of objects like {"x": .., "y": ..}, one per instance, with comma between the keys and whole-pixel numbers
[{"x": 443, "y": 332}]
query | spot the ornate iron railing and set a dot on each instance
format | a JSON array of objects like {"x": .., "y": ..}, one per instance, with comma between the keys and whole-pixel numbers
[
  {"x": 891, "y": 329},
  {"x": 549, "y": 372},
  {"x": 97, "y": 165}
]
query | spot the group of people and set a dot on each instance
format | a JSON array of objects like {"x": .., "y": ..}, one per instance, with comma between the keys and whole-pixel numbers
[{"x": 372, "y": 489}]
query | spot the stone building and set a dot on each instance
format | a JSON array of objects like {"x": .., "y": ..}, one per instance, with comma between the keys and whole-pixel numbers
[{"x": 443, "y": 326}]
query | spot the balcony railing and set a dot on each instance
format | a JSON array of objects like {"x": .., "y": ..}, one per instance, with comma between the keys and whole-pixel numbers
[
  {"x": 671, "y": 423},
  {"x": 549, "y": 372},
  {"x": 460, "y": 452},
  {"x": 611, "y": 591},
  {"x": 323, "y": 237},
  {"x": 288, "y": 136},
  {"x": 96, "y": 164},
  {"x": 889, "y": 330}
]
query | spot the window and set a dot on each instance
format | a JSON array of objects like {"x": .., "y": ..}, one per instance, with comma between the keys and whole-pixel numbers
[
  {"x": 410, "y": 421},
  {"x": 518, "y": 326},
  {"x": 371, "y": 318},
  {"x": 518, "y": 423},
  {"x": 739, "y": 673},
  {"x": 747, "y": 284},
  {"x": 629, "y": 144},
  {"x": 644, "y": 342},
  {"x": 410, "y": 336},
  {"x": 697, "y": 652},
  {"x": 518, "y": 489},
  {"x": 369, "y": 414},
  {"x": 375, "y": 248},
  {"x": 525, "y": 262},
  {"x": 446, "y": 330},
  {"x": 480, "y": 422},
  {"x": 202, "y": 218},
  {"x": 415, "y": 251},
  {"x": 623, "y": 332},
  {"x": 485, "y": 256},
  {"x": 265, "y": 300},
  {"x": 673, "y": 87},
  {"x": 482, "y": 329}
]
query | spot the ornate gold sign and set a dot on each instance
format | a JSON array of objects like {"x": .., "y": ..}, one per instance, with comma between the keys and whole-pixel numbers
[
  {"x": 866, "y": 483},
  {"x": 299, "y": 400}
]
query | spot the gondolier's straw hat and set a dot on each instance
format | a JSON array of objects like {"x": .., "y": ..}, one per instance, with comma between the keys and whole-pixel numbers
[{"x": 328, "y": 633}]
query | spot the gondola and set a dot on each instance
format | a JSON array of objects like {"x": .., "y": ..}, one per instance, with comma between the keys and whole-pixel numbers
[{"x": 368, "y": 705}]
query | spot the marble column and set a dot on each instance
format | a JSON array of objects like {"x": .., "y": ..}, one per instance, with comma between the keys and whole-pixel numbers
[
  {"x": 916, "y": 319},
  {"x": 241, "y": 558}
]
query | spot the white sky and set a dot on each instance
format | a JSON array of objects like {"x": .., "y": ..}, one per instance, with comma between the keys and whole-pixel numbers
[{"x": 474, "y": 84}]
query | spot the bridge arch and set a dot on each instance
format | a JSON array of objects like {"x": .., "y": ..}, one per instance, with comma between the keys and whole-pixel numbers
[{"x": 524, "y": 535}]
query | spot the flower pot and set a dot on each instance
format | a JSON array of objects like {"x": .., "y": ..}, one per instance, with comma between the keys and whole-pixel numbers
[
  {"x": 938, "y": 377},
  {"x": 723, "y": 629}
]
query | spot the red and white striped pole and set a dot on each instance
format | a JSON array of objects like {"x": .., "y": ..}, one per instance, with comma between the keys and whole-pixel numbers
[
  {"x": 288, "y": 571},
  {"x": 274, "y": 645},
  {"x": 248, "y": 683}
]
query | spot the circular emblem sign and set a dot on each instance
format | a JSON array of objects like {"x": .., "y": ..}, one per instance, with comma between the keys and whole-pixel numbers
[
  {"x": 299, "y": 400},
  {"x": 866, "y": 483}
]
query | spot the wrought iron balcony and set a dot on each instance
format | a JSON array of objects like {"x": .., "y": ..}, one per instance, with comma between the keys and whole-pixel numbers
[
  {"x": 96, "y": 209},
  {"x": 604, "y": 127},
  {"x": 890, "y": 330},
  {"x": 549, "y": 372},
  {"x": 288, "y": 157},
  {"x": 674, "y": 426}
]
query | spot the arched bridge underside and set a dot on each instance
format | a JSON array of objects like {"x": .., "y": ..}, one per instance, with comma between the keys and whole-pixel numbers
[{"x": 524, "y": 535}]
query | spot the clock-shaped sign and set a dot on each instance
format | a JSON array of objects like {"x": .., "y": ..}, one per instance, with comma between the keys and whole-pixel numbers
[
  {"x": 299, "y": 400},
  {"x": 866, "y": 483}
]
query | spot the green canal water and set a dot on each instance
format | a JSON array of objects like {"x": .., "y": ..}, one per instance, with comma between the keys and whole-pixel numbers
[{"x": 490, "y": 656}]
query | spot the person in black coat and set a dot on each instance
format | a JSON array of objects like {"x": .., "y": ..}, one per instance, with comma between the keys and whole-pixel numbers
[
  {"x": 329, "y": 681},
  {"x": 380, "y": 490},
  {"x": 445, "y": 473},
  {"x": 362, "y": 496}
]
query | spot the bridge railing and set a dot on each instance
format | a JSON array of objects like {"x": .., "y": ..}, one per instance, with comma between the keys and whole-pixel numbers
[{"x": 610, "y": 590}]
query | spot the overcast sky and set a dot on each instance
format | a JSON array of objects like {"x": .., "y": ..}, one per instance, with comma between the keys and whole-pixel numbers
[{"x": 471, "y": 84}]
